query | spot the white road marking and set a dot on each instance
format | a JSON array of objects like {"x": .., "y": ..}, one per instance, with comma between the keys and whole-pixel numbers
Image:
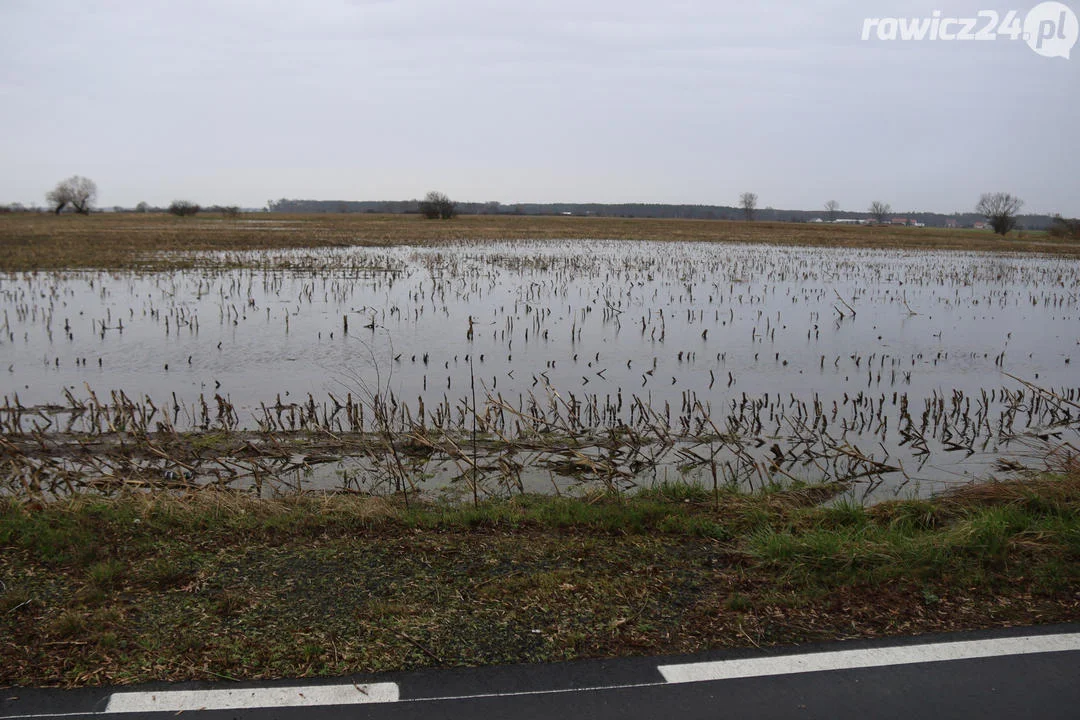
[
  {"x": 415, "y": 700},
  {"x": 298, "y": 696},
  {"x": 239, "y": 699},
  {"x": 869, "y": 657}
]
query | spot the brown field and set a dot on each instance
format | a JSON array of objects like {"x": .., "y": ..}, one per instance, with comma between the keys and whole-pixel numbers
[{"x": 47, "y": 242}]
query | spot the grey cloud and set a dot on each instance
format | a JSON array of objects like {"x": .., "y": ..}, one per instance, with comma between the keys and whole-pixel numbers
[{"x": 592, "y": 101}]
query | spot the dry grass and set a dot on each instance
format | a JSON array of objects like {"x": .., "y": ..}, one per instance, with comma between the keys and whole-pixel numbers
[
  {"x": 47, "y": 242},
  {"x": 164, "y": 587}
]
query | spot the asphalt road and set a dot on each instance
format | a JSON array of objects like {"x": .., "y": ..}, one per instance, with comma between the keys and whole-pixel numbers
[{"x": 1018, "y": 673}]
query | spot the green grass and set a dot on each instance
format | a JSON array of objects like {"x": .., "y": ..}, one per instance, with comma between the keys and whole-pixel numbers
[
  {"x": 211, "y": 586},
  {"x": 680, "y": 492},
  {"x": 922, "y": 539},
  {"x": 646, "y": 513}
]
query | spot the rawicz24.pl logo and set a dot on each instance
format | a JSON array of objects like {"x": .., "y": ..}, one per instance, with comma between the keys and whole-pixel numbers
[{"x": 1049, "y": 28}]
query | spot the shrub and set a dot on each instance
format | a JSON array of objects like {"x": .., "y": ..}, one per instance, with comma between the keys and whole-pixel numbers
[
  {"x": 1064, "y": 228},
  {"x": 183, "y": 208},
  {"x": 437, "y": 206}
]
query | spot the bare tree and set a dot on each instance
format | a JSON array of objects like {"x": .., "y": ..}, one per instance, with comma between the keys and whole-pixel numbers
[
  {"x": 182, "y": 208},
  {"x": 1000, "y": 210},
  {"x": 748, "y": 202},
  {"x": 879, "y": 211},
  {"x": 76, "y": 191},
  {"x": 437, "y": 206},
  {"x": 142, "y": 207},
  {"x": 831, "y": 208},
  {"x": 1060, "y": 228}
]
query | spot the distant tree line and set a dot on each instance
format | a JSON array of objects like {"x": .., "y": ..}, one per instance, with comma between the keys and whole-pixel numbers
[
  {"x": 179, "y": 207},
  {"x": 648, "y": 210},
  {"x": 1000, "y": 210}
]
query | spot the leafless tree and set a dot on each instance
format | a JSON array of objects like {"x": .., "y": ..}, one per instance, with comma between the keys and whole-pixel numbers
[
  {"x": 142, "y": 207},
  {"x": 880, "y": 211},
  {"x": 76, "y": 191},
  {"x": 1000, "y": 210},
  {"x": 831, "y": 208},
  {"x": 437, "y": 206},
  {"x": 748, "y": 202},
  {"x": 1061, "y": 228},
  {"x": 182, "y": 208}
]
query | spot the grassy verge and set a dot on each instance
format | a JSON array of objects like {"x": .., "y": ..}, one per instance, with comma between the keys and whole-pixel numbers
[
  {"x": 214, "y": 586},
  {"x": 46, "y": 242}
]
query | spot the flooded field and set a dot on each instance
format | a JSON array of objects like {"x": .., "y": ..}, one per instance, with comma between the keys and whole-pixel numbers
[{"x": 501, "y": 367}]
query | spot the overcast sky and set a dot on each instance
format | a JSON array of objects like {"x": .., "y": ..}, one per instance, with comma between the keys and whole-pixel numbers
[{"x": 581, "y": 101}]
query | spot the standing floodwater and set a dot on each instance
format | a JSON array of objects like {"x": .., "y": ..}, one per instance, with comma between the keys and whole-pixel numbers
[{"x": 747, "y": 363}]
